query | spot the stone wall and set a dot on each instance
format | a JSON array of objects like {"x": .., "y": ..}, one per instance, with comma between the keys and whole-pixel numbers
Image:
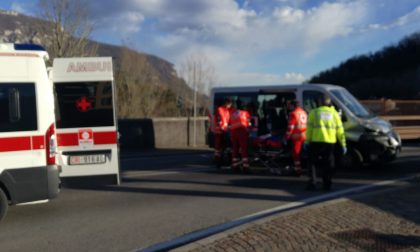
[{"x": 176, "y": 132}]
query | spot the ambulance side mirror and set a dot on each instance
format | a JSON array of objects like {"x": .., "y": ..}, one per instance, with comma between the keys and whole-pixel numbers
[{"x": 14, "y": 105}]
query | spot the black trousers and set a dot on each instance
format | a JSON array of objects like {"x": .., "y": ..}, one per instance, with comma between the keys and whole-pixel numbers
[{"x": 322, "y": 161}]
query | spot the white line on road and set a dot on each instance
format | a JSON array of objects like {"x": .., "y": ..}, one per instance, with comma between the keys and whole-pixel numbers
[
  {"x": 134, "y": 174},
  {"x": 200, "y": 234}
]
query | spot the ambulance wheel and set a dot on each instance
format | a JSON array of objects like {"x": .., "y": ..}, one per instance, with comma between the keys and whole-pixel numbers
[{"x": 4, "y": 204}]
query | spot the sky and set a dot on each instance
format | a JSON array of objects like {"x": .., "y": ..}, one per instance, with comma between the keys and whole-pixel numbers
[{"x": 251, "y": 42}]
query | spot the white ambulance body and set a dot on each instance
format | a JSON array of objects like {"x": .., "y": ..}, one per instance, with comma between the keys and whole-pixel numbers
[
  {"x": 27, "y": 145},
  {"x": 85, "y": 120}
]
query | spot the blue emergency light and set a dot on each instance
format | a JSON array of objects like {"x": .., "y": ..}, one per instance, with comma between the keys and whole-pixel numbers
[{"x": 28, "y": 47}]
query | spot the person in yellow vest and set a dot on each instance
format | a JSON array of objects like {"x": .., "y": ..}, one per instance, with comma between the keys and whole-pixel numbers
[{"x": 324, "y": 129}]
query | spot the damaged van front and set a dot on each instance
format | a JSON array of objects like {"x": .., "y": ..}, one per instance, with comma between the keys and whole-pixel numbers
[{"x": 372, "y": 139}]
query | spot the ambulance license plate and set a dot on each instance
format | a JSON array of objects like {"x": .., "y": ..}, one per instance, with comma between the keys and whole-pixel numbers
[{"x": 87, "y": 159}]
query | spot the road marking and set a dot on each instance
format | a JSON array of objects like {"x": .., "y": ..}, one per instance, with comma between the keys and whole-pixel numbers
[
  {"x": 166, "y": 156},
  {"x": 33, "y": 202},
  {"x": 135, "y": 174},
  {"x": 204, "y": 233}
]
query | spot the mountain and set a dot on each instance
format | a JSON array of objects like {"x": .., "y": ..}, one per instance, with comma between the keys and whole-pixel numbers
[
  {"x": 393, "y": 72},
  {"x": 158, "y": 79}
]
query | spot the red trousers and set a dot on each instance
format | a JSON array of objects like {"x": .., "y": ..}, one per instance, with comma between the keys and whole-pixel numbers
[
  {"x": 218, "y": 144},
  {"x": 296, "y": 149},
  {"x": 239, "y": 139}
]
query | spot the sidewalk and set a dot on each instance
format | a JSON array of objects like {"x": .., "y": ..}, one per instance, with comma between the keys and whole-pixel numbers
[{"x": 388, "y": 220}]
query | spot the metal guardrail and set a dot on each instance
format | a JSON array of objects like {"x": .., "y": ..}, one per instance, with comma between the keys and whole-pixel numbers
[
  {"x": 404, "y": 115},
  {"x": 406, "y": 132}
]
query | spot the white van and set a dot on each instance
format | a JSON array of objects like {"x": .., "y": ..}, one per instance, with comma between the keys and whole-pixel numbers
[
  {"x": 86, "y": 120},
  {"x": 28, "y": 171},
  {"x": 369, "y": 138}
]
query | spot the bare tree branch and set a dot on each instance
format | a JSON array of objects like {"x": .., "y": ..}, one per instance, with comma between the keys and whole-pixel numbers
[
  {"x": 199, "y": 74},
  {"x": 68, "y": 26}
]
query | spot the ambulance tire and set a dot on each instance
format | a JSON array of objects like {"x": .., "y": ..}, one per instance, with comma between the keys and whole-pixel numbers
[{"x": 4, "y": 204}]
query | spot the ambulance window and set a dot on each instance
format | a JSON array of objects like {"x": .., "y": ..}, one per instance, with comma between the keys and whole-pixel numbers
[
  {"x": 18, "y": 107},
  {"x": 84, "y": 104}
]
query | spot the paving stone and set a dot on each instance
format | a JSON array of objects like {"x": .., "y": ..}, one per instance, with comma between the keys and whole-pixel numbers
[{"x": 391, "y": 218}]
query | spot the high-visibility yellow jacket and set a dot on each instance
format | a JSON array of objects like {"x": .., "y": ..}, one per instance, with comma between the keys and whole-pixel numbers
[{"x": 325, "y": 126}]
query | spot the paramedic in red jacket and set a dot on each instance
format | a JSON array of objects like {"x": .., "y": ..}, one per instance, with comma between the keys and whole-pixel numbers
[
  {"x": 296, "y": 130},
  {"x": 219, "y": 126},
  {"x": 239, "y": 123}
]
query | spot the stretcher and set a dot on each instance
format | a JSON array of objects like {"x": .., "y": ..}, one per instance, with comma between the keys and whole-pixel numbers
[{"x": 266, "y": 151}]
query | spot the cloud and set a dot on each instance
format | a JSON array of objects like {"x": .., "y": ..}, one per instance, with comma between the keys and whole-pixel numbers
[
  {"x": 252, "y": 78},
  {"x": 294, "y": 77},
  {"x": 237, "y": 37},
  {"x": 289, "y": 15},
  {"x": 412, "y": 17},
  {"x": 21, "y": 8}
]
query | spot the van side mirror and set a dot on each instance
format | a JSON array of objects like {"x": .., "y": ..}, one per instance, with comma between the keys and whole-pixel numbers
[{"x": 14, "y": 105}]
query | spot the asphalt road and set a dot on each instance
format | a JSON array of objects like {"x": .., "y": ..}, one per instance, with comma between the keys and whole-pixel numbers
[{"x": 162, "y": 197}]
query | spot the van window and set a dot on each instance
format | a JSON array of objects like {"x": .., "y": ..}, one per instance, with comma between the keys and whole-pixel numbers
[
  {"x": 310, "y": 100},
  {"x": 240, "y": 100},
  {"x": 18, "y": 107},
  {"x": 84, "y": 104},
  {"x": 272, "y": 112},
  {"x": 352, "y": 103}
]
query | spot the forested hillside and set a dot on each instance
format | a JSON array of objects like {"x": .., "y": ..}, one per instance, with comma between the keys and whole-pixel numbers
[{"x": 393, "y": 72}]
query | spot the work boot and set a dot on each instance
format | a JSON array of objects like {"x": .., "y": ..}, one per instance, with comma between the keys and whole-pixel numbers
[
  {"x": 245, "y": 165},
  {"x": 235, "y": 165}
]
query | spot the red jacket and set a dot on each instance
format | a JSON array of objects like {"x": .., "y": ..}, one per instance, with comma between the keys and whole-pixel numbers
[
  {"x": 296, "y": 127},
  {"x": 239, "y": 119},
  {"x": 214, "y": 124},
  {"x": 219, "y": 120},
  {"x": 224, "y": 115}
]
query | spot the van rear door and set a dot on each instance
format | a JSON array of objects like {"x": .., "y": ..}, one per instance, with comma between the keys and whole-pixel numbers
[{"x": 86, "y": 119}]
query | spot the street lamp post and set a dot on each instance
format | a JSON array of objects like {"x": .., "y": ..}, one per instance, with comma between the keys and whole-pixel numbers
[{"x": 195, "y": 107}]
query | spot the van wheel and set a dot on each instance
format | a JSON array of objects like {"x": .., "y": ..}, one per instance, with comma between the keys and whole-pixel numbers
[
  {"x": 4, "y": 204},
  {"x": 353, "y": 160}
]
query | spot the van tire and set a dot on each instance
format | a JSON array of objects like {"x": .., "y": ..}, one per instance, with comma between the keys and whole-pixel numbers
[{"x": 4, "y": 204}]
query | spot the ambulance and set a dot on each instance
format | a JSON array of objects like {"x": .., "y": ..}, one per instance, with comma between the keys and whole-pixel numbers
[
  {"x": 86, "y": 122},
  {"x": 28, "y": 170}
]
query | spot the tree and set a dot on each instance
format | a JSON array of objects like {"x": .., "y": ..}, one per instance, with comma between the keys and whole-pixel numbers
[
  {"x": 199, "y": 74},
  {"x": 392, "y": 72},
  {"x": 68, "y": 27},
  {"x": 140, "y": 93}
]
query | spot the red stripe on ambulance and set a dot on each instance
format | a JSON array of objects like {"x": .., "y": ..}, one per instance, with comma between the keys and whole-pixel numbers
[
  {"x": 72, "y": 139},
  {"x": 23, "y": 143},
  {"x": 38, "y": 142}
]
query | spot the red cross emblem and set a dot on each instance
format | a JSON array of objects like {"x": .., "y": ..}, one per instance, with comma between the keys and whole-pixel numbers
[{"x": 83, "y": 104}]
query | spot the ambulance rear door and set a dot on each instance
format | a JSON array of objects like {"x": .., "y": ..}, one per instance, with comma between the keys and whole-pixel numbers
[{"x": 86, "y": 122}]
